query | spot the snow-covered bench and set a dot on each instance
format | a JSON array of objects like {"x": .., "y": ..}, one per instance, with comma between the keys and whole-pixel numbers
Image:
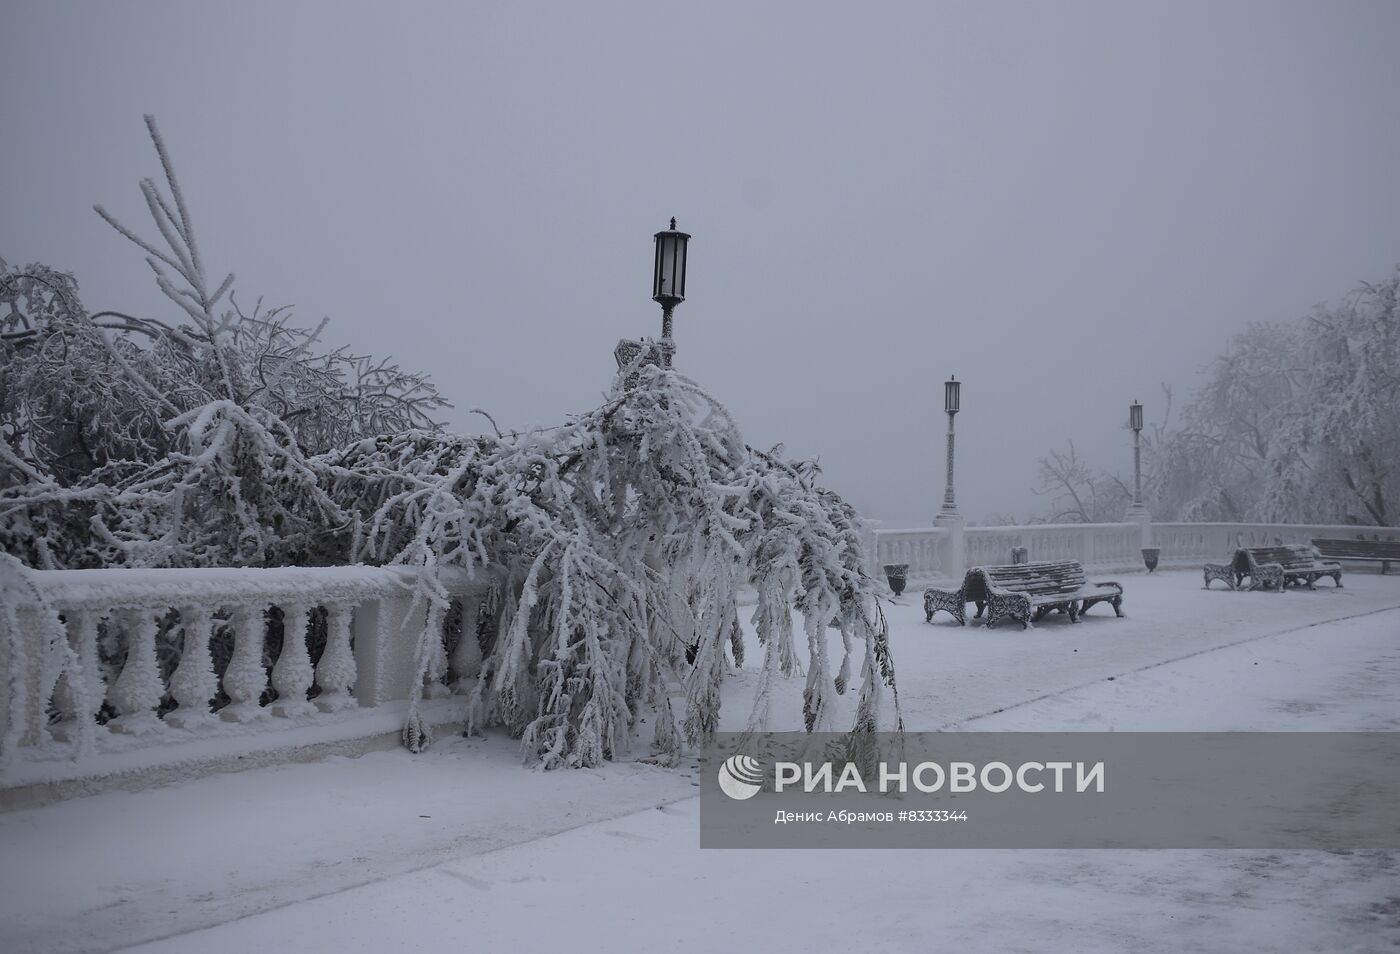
[
  {"x": 1299, "y": 563},
  {"x": 1383, "y": 552},
  {"x": 1024, "y": 592},
  {"x": 1263, "y": 574}
]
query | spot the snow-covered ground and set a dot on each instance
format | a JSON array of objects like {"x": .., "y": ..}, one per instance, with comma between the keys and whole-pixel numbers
[{"x": 461, "y": 848}]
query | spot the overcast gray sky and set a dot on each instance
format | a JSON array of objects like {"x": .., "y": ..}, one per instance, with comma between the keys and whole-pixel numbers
[{"x": 1062, "y": 203}]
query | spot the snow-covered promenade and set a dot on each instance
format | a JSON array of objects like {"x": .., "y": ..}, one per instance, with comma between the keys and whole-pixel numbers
[{"x": 462, "y": 848}]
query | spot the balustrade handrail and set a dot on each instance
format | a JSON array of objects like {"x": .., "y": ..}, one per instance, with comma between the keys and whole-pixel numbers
[
  {"x": 136, "y": 588},
  {"x": 1345, "y": 527},
  {"x": 1023, "y": 527}
]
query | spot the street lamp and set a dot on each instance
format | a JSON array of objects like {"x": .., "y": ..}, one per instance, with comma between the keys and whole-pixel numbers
[
  {"x": 952, "y": 403},
  {"x": 668, "y": 281},
  {"x": 1135, "y": 422},
  {"x": 667, "y": 289}
]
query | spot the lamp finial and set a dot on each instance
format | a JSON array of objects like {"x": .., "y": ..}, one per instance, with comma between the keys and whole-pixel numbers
[{"x": 673, "y": 223}]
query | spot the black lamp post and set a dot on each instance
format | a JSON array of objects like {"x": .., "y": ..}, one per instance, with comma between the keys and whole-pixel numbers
[
  {"x": 668, "y": 281},
  {"x": 952, "y": 403},
  {"x": 668, "y": 289},
  {"x": 1135, "y": 422}
]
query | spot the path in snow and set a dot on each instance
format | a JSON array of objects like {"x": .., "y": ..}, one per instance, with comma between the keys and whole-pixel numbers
[{"x": 641, "y": 883}]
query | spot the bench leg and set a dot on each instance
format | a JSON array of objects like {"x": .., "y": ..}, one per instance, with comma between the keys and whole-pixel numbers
[
  {"x": 1014, "y": 605},
  {"x": 951, "y": 603},
  {"x": 1221, "y": 572}
]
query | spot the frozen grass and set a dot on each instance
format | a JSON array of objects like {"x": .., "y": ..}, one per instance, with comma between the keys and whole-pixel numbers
[{"x": 511, "y": 859}]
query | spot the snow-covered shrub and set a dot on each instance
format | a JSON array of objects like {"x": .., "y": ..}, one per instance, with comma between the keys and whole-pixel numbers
[{"x": 625, "y": 535}]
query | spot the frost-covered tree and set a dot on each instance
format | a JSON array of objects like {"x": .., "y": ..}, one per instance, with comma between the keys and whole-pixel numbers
[
  {"x": 625, "y": 536},
  {"x": 1298, "y": 422},
  {"x": 99, "y": 410},
  {"x": 1077, "y": 492}
]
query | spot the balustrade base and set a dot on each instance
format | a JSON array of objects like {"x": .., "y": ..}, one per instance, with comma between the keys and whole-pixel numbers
[
  {"x": 291, "y": 708},
  {"x": 244, "y": 712},
  {"x": 190, "y": 718},
  {"x": 336, "y": 703},
  {"x": 71, "y": 731},
  {"x": 142, "y": 723},
  {"x": 133, "y": 763}
]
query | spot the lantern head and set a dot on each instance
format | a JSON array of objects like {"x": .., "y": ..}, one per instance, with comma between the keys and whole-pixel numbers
[{"x": 668, "y": 274}]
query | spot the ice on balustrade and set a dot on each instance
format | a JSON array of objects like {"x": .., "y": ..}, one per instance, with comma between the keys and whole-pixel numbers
[{"x": 106, "y": 661}]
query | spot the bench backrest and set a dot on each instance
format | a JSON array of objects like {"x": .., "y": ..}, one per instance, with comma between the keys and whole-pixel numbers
[
  {"x": 1034, "y": 579},
  {"x": 1360, "y": 549},
  {"x": 1297, "y": 557}
]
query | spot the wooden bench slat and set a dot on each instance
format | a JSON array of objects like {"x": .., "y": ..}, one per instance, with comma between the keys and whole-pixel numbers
[{"x": 1383, "y": 552}]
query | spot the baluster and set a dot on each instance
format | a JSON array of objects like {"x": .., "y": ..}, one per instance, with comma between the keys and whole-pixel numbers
[
  {"x": 335, "y": 673},
  {"x": 81, "y": 709},
  {"x": 137, "y": 691},
  {"x": 35, "y": 675},
  {"x": 194, "y": 684},
  {"x": 466, "y": 656},
  {"x": 433, "y": 687},
  {"x": 292, "y": 675},
  {"x": 245, "y": 679},
  {"x": 66, "y": 700}
]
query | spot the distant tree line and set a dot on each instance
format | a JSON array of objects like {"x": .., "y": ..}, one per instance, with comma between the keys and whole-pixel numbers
[{"x": 1299, "y": 422}]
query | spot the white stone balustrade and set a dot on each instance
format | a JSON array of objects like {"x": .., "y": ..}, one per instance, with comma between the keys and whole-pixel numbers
[
  {"x": 925, "y": 550},
  {"x": 1101, "y": 547},
  {"x": 59, "y": 627}
]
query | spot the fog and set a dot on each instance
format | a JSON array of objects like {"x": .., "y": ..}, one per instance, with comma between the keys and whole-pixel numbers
[{"x": 1063, "y": 204}]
